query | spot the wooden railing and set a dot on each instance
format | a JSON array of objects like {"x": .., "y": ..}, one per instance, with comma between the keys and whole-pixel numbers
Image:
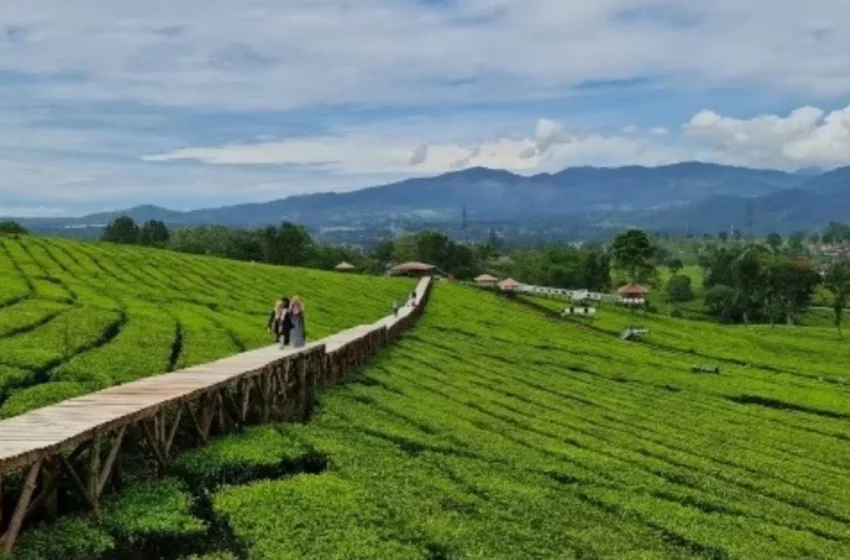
[{"x": 76, "y": 444}]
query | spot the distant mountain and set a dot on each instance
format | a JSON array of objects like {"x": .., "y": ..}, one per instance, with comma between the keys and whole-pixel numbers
[
  {"x": 491, "y": 195},
  {"x": 811, "y": 205}
]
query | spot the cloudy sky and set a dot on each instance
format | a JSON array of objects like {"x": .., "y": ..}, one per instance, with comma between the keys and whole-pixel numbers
[{"x": 105, "y": 104}]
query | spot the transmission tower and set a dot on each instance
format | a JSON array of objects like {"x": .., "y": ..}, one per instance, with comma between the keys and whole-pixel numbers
[
  {"x": 750, "y": 217},
  {"x": 464, "y": 224}
]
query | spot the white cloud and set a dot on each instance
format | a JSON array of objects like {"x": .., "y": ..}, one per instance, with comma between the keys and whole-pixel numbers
[
  {"x": 387, "y": 151},
  {"x": 807, "y": 136},
  {"x": 265, "y": 54}
]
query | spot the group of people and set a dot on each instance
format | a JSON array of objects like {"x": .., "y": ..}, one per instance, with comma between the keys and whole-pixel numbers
[{"x": 286, "y": 322}]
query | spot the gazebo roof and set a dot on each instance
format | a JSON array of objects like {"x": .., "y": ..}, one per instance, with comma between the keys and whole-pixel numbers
[
  {"x": 486, "y": 278},
  {"x": 633, "y": 290},
  {"x": 344, "y": 265},
  {"x": 413, "y": 267},
  {"x": 509, "y": 284}
]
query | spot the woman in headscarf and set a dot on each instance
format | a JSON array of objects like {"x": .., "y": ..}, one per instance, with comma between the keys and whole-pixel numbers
[{"x": 299, "y": 331}]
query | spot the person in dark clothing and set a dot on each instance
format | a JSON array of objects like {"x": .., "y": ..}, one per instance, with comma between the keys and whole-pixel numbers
[
  {"x": 279, "y": 322},
  {"x": 285, "y": 327}
]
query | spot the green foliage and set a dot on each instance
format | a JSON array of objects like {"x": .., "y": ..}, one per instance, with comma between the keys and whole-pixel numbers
[
  {"x": 633, "y": 254},
  {"x": 774, "y": 241},
  {"x": 11, "y": 227},
  {"x": 154, "y": 233},
  {"x": 212, "y": 556},
  {"x": 121, "y": 230},
  {"x": 261, "y": 452},
  {"x": 45, "y": 394},
  {"x": 324, "y": 516},
  {"x": 152, "y": 508},
  {"x": 679, "y": 288},
  {"x": 837, "y": 281},
  {"x": 473, "y": 439},
  {"x": 70, "y": 538}
]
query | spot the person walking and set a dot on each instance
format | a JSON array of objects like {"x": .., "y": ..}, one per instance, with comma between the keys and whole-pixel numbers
[
  {"x": 299, "y": 331},
  {"x": 273, "y": 325},
  {"x": 285, "y": 325},
  {"x": 395, "y": 308}
]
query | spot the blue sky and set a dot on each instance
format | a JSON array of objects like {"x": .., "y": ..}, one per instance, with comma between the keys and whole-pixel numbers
[{"x": 109, "y": 104}]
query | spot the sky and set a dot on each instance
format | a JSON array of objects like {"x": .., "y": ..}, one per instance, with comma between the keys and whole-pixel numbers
[{"x": 107, "y": 104}]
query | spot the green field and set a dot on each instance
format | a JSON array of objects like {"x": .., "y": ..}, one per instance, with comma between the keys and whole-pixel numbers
[
  {"x": 78, "y": 317},
  {"x": 492, "y": 431}
]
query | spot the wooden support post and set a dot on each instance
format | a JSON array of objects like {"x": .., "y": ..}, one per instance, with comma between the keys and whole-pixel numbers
[
  {"x": 11, "y": 535},
  {"x": 169, "y": 440},
  {"x": 154, "y": 445},
  {"x": 94, "y": 473},
  {"x": 195, "y": 423},
  {"x": 110, "y": 460},
  {"x": 78, "y": 483},
  {"x": 49, "y": 484}
]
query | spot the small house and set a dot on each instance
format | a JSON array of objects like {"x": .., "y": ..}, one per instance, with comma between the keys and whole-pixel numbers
[
  {"x": 344, "y": 267},
  {"x": 486, "y": 280}
]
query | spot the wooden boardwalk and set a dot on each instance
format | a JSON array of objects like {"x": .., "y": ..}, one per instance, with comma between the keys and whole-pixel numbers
[{"x": 55, "y": 443}]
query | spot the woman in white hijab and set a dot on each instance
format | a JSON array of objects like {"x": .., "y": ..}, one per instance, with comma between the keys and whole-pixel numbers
[{"x": 299, "y": 331}]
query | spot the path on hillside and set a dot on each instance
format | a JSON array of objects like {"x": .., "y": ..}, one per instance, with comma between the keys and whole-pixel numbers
[{"x": 224, "y": 393}]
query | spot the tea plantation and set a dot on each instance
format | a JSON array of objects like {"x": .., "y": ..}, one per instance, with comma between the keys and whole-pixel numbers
[
  {"x": 78, "y": 317},
  {"x": 493, "y": 431}
]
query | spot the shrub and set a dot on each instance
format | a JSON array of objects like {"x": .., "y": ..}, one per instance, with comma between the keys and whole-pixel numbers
[{"x": 70, "y": 538}]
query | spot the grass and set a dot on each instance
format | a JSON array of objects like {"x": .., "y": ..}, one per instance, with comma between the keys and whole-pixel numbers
[
  {"x": 78, "y": 317},
  {"x": 494, "y": 431}
]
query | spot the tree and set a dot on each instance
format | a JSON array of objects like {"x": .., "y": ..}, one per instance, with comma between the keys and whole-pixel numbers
[
  {"x": 722, "y": 302},
  {"x": 154, "y": 233},
  {"x": 11, "y": 227},
  {"x": 796, "y": 241},
  {"x": 121, "y": 230},
  {"x": 679, "y": 288},
  {"x": 675, "y": 265},
  {"x": 633, "y": 253},
  {"x": 837, "y": 281},
  {"x": 774, "y": 241}
]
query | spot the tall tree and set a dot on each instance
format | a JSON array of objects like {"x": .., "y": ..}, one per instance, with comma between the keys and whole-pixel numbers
[
  {"x": 154, "y": 233},
  {"x": 837, "y": 281},
  {"x": 774, "y": 241},
  {"x": 121, "y": 230},
  {"x": 633, "y": 254},
  {"x": 12, "y": 228}
]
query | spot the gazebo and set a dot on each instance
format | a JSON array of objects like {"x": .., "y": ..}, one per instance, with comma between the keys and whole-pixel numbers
[
  {"x": 344, "y": 267},
  {"x": 486, "y": 280},
  {"x": 633, "y": 294},
  {"x": 509, "y": 285},
  {"x": 417, "y": 269}
]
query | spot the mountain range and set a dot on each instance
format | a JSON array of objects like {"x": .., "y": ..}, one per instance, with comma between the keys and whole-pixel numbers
[{"x": 693, "y": 196}]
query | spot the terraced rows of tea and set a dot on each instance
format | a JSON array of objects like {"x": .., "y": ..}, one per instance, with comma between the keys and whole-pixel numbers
[
  {"x": 491, "y": 431},
  {"x": 77, "y": 317}
]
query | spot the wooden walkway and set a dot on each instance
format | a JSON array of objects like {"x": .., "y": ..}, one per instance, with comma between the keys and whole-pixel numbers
[{"x": 55, "y": 443}]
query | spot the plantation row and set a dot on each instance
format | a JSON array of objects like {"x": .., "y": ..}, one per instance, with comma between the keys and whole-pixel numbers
[
  {"x": 492, "y": 431},
  {"x": 75, "y": 317}
]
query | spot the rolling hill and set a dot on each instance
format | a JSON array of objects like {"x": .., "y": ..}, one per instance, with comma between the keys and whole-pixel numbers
[
  {"x": 77, "y": 317},
  {"x": 491, "y": 431}
]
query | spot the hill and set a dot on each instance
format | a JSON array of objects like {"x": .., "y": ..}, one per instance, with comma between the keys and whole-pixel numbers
[
  {"x": 491, "y": 431},
  {"x": 491, "y": 195},
  {"x": 76, "y": 317}
]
